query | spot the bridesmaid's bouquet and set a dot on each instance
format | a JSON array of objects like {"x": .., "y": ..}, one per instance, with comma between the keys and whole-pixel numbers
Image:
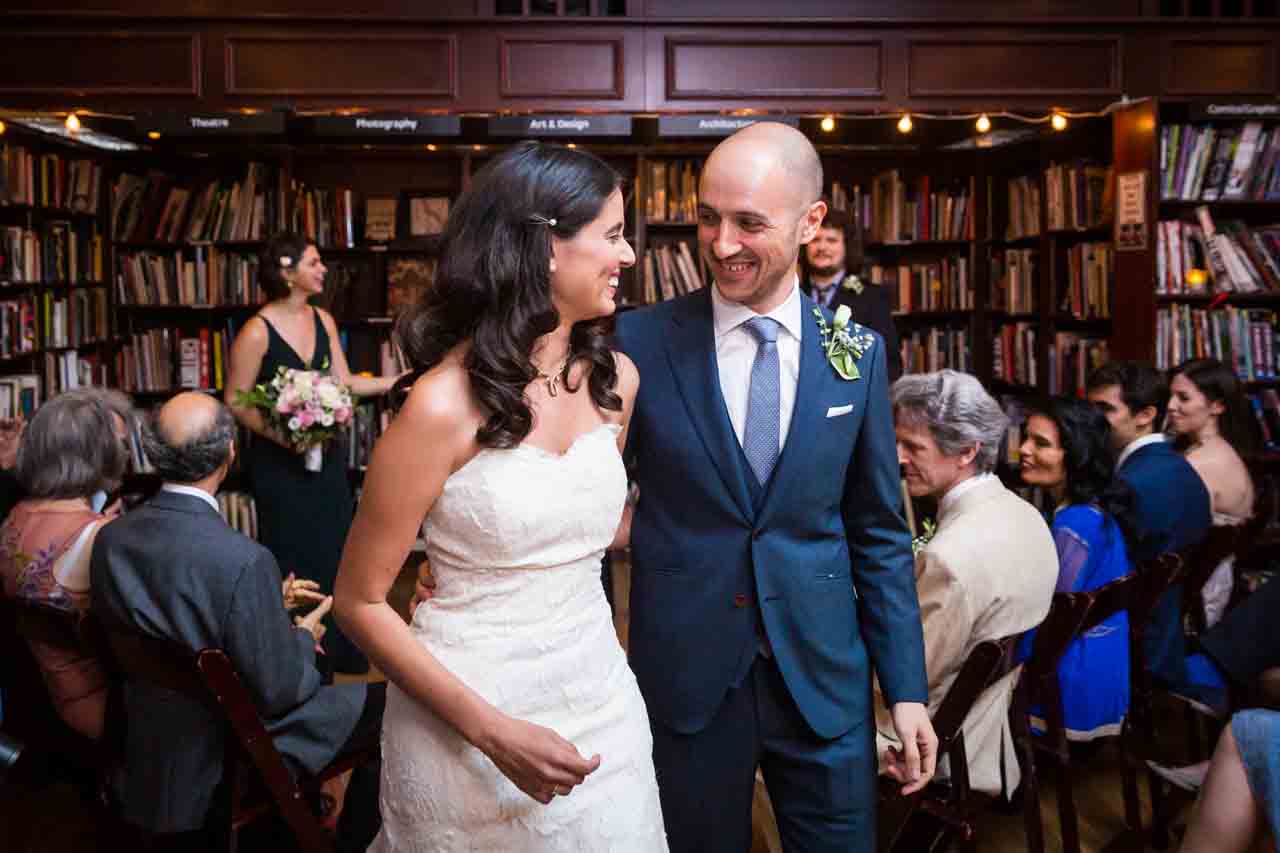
[{"x": 306, "y": 405}]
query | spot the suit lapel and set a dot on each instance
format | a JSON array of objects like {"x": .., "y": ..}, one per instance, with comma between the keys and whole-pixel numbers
[
  {"x": 691, "y": 352},
  {"x": 806, "y": 414}
]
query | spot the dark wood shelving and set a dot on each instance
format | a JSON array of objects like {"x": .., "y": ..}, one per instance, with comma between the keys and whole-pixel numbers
[
  {"x": 934, "y": 316},
  {"x": 157, "y": 245},
  {"x": 55, "y": 212},
  {"x": 999, "y": 386},
  {"x": 128, "y": 306},
  {"x": 911, "y": 244},
  {"x": 1268, "y": 298}
]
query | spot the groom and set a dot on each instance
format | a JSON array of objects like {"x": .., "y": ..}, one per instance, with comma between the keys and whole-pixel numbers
[{"x": 771, "y": 567}]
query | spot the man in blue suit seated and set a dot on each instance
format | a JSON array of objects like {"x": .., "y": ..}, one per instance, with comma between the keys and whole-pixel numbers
[
  {"x": 1172, "y": 503},
  {"x": 771, "y": 565}
]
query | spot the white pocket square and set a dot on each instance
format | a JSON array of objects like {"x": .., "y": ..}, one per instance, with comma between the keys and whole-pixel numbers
[{"x": 837, "y": 411}]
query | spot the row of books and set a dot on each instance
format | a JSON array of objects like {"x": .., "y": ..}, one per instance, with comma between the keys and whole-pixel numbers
[
  {"x": 64, "y": 371},
  {"x": 670, "y": 190},
  {"x": 1014, "y": 280},
  {"x": 58, "y": 252},
  {"x": 927, "y": 350},
  {"x": 1013, "y": 350},
  {"x": 155, "y": 207},
  {"x": 1086, "y": 293},
  {"x": 239, "y": 511},
  {"x": 670, "y": 270},
  {"x": 1266, "y": 409},
  {"x": 169, "y": 359},
  {"x": 1211, "y": 162},
  {"x": 944, "y": 285},
  {"x": 77, "y": 318},
  {"x": 918, "y": 210},
  {"x": 198, "y": 275},
  {"x": 1072, "y": 358},
  {"x": 1024, "y": 208},
  {"x": 17, "y": 326},
  {"x": 1229, "y": 256},
  {"x": 1077, "y": 196},
  {"x": 19, "y": 395},
  {"x": 325, "y": 215},
  {"x": 49, "y": 180},
  {"x": 1242, "y": 338}
]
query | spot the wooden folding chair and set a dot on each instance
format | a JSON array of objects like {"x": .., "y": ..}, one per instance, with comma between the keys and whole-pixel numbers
[
  {"x": 1070, "y": 614},
  {"x": 953, "y": 802},
  {"x": 210, "y": 678},
  {"x": 32, "y": 716}
]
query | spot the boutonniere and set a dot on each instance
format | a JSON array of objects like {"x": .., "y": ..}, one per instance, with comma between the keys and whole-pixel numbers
[
  {"x": 852, "y": 282},
  {"x": 844, "y": 343},
  {"x": 918, "y": 543}
]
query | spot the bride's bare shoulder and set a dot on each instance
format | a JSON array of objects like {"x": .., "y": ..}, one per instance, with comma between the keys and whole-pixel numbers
[{"x": 441, "y": 398}]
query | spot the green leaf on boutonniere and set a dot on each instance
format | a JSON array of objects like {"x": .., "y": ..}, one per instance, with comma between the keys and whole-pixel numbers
[{"x": 843, "y": 342}]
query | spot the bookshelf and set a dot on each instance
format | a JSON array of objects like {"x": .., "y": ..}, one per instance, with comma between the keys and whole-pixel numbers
[{"x": 54, "y": 305}]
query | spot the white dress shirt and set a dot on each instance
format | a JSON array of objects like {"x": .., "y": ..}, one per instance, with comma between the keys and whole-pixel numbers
[
  {"x": 1136, "y": 445},
  {"x": 736, "y": 352},
  {"x": 193, "y": 492}
]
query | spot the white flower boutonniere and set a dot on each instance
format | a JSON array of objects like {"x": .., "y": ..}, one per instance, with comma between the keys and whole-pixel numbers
[
  {"x": 918, "y": 543},
  {"x": 844, "y": 343},
  {"x": 852, "y": 282}
]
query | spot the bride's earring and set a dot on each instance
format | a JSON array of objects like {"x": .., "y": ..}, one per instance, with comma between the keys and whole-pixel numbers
[{"x": 553, "y": 264}]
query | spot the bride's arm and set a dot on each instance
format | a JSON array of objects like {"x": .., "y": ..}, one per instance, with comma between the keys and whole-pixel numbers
[
  {"x": 628, "y": 385},
  {"x": 430, "y": 437}
]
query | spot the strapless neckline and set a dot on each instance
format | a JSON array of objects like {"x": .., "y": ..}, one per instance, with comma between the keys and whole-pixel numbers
[{"x": 541, "y": 452}]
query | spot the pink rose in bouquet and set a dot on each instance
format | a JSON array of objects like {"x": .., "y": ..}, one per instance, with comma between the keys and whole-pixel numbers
[{"x": 306, "y": 405}]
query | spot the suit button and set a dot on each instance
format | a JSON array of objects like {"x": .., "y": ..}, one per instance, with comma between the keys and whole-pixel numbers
[{"x": 739, "y": 600}]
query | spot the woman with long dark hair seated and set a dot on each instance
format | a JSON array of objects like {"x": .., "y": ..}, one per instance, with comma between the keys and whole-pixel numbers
[
  {"x": 1067, "y": 452},
  {"x": 513, "y": 721}
]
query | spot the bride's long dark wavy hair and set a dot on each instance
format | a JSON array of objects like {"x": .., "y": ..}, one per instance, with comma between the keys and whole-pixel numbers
[{"x": 493, "y": 283}]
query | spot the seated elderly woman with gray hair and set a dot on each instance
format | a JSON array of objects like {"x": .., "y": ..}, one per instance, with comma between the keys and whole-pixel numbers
[
  {"x": 73, "y": 453},
  {"x": 989, "y": 567}
]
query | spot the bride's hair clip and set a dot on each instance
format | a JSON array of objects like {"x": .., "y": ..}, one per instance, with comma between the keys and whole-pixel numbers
[
  {"x": 539, "y": 219},
  {"x": 286, "y": 261}
]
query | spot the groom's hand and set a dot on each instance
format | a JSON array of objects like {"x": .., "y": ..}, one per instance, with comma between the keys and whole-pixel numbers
[
  {"x": 913, "y": 765},
  {"x": 537, "y": 760}
]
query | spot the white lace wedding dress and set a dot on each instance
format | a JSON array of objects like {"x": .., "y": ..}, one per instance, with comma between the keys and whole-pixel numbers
[{"x": 519, "y": 615}]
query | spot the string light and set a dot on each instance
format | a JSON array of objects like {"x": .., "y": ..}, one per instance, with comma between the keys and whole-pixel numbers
[
  {"x": 904, "y": 123},
  {"x": 1057, "y": 118},
  {"x": 572, "y": 145},
  {"x": 73, "y": 123},
  {"x": 828, "y": 124},
  {"x": 984, "y": 123},
  {"x": 1059, "y": 121},
  {"x": 2, "y": 128},
  {"x": 1197, "y": 277},
  {"x": 153, "y": 134},
  {"x": 431, "y": 146}
]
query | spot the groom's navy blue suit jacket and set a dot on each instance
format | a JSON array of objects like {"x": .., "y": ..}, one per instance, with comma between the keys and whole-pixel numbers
[{"x": 821, "y": 554}]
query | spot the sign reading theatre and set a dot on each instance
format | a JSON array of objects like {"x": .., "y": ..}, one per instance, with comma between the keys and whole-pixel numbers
[
  {"x": 713, "y": 125},
  {"x": 212, "y": 124},
  {"x": 560, "y": 125}
]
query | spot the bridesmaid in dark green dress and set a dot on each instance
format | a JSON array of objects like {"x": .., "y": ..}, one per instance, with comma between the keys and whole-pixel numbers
[{"x": 303, "y": 516}]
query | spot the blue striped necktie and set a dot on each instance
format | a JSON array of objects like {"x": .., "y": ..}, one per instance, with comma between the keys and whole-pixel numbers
[{"x": 760, "y": 435}]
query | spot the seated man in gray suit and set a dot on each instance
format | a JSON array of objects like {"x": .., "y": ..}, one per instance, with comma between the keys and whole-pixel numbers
[
  {"x": 173, "y": 568},
  {"x": 989, "y": 569}
]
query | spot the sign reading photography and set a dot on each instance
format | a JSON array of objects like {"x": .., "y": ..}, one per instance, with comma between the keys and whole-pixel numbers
[
  {"x": 386, "y": 124},
  {"x": 713, "y": 125},
  {"x": 213, "y": 124},
  {"x": 1235, "y": 110},
  {"x": 560, "y": 125}
]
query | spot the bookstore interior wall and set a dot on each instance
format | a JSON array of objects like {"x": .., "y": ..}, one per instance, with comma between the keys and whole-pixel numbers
[{"x": 1145, "y": 227}]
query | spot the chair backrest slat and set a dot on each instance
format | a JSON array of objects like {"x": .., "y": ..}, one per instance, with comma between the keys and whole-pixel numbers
[{"x": 987, "y": 663}]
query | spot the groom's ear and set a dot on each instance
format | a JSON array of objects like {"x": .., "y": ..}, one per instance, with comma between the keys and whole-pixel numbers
[{"x": 812, "y": 221}]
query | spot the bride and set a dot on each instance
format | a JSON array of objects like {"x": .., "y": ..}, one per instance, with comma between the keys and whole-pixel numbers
[{"x": 513, "y": 722}]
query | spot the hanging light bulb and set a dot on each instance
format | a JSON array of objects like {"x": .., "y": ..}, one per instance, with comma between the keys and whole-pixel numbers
[
  {"x": 984, "y": 123},
  {"x": 904, "y": 123},
  {"x": 73, "y": 123},
  {"x": 153, "y": 134},
  {"x": 1059, "y": 121},
  {"x": 828, "y": 124}
]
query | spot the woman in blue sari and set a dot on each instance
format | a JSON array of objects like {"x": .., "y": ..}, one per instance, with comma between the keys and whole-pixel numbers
[{"x": 1067, "y": 452}]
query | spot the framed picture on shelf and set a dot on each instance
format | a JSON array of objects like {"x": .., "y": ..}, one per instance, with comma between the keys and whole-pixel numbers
[
  {"x": 380, "y": 220},
  {"x": 407, "y": 279},
  {"x": 422, "y": 213}
]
